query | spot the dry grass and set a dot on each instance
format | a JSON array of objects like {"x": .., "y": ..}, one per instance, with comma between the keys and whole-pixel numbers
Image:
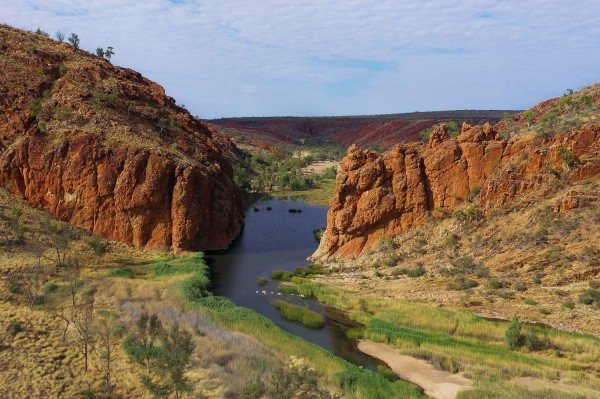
[
  {"x": 36, "y": 363},
  {"x": 547, "y": 259}
]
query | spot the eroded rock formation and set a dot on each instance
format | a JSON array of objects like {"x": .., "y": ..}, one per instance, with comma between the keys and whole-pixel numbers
[
  {"x": 385, "y": 194},
  {"x": 106, "y": 149}
]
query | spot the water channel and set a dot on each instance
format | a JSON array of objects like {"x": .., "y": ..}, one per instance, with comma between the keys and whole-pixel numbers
[{"x": 278, "y": 239}]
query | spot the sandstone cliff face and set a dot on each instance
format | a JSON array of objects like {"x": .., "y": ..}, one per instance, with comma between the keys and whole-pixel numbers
[
  {"x": 105, "y": 149},
  {"x": 385, "y": 194}
]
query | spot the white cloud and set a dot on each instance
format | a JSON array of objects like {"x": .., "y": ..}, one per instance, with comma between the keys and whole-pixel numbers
[{"x": 213, "y": 55}]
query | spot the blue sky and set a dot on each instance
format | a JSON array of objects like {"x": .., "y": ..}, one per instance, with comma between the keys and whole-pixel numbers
[{"x": 337, "y": 57}]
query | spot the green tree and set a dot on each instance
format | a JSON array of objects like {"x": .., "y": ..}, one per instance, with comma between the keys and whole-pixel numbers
[
  {"x": 177, "y": 348},
  {"x": 74, "y": 40},
  {"x": 149, "y": 329},
  {"x": 297, "y": 382},
  {"x": 512, "y": 336}
]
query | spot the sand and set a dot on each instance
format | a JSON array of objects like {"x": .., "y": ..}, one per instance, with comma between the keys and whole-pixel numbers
[{"x": 436, "y": 383}]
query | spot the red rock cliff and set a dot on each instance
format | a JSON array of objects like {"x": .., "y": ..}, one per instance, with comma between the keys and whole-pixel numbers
[
  {"x": 105, "y": 149},
  {"x": 385, "y": 194}
]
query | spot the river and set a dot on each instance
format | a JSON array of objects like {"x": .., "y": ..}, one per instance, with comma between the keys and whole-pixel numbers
[{"x": 277, "y": 239}]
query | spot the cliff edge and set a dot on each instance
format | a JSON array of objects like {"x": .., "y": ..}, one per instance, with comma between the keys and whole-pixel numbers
[{"x": 104, "y": 148}]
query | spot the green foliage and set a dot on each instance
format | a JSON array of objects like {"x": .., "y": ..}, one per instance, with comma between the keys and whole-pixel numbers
[
  {"x": 102, "y": 100},
  {"x": 549, "y": 121},
  {"x": 105, "y": 54},
  {"x": 512, "y": 336},
  {"x": 195, "y": 287},
  {"x": 297, "y": 382},
  {"x": 288, "y": 289},
  {"x": 318, "y": 234},
  {"x": 38, "y": 31},
  {"x": 590, "y": 297},
  {"x": 462, "y": 283},
  {"x": 529, "y": 117},
  {"x": 282, "y": 275},
  {"x": 99, "y": 246},
  {"x": 304, "y": 315},
  {"x": 50, "y": 288},
  {"x": 469, "y": 213},
  {"x": 496, "y": 284},
  {"x": 425, "y": 134},
  {"x": 386, "y": 373},
  {"x": 253, "y": 390},
  {"x": 74, "y": 40},
  {"x": 14, "y": 327},
  {"x": 262, "y": 281},
  {"x": 174, "y": 362},
  {"x": 122, "y": 272},
  {"x": 241, "y": 179},
  {"x": 453, "y": 129},
  {"x": 567, "y": 156},
  {"x": 512, "y": 391}
]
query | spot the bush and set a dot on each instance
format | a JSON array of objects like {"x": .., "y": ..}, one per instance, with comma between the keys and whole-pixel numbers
[
  {"x": 50, "y": 288},
  {"x": 533, "y": 343},
  {"x": 14, "y": 327},
  {"x": 99, "y": 246},
  {"x": 262, "y": 281},
  {"x": 123, "y": 273},
  {"x": 590, "y": 296},
  {"x": 512, "y": 336},
  {"x": 496, "y": 284},
  {"x": 462, "y": 283}
]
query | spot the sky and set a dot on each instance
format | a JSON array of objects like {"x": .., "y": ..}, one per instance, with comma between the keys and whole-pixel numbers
[{"x": 233, "y": 58}]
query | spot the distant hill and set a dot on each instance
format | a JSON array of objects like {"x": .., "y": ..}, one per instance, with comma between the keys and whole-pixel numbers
[{"x": 365, "y": 131}]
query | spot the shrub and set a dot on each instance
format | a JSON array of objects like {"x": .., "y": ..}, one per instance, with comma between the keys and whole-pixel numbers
[
  {"x": 462, "y": 283},
  {"x": 14, "y": 327},
  {"x": 50, "y": 288},
  {"x": 99, "y": 246},
  {"x": 262, "y": 281},
  {"x": 590, "y": 296},
  {"x": 123, "y": 273},
  {"x": 496, "y": 284},
  {"x": 545, "y": 311},
  {"x": 520, "y": 287},
  {"x": 568, "y": 305},
  {"x": 416, "y": 272},
  {"x": 512, "y": 336}
]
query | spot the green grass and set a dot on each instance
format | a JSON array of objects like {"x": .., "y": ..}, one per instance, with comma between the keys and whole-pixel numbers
[
  {"x": 464, "y": 340},
  {"x": 338, "y": 374},
  {"x": 304, "y": 315},
  {"x": 511, "y": 391}
]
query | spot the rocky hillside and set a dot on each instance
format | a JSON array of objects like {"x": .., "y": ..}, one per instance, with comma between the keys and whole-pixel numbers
[
  {"x": 106, "y": 149},
  {"x": 523, "y": 159},
  {"x": 375, "y": 130}
]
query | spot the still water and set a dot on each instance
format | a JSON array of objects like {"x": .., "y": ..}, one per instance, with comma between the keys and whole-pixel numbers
[{"x": 277, "y": 239}]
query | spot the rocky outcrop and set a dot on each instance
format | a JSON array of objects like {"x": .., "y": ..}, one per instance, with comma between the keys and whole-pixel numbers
[
  {"x": 105, "y": 149},
  {"x": 385, "y": 194}
]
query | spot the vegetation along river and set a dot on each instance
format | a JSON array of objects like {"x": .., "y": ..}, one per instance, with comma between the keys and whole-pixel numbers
[{"x": 278, "y": 239}]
